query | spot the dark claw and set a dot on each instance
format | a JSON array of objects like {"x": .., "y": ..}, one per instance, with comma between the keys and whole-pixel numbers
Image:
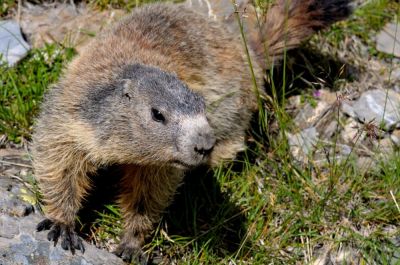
[
  {"x": 28, "y": 210},
  {"x": 81, "y": 246},
  {"x": 69, "y": 239},
  {"x": 129, "y": 254},
  {"x": 66, "y": 243},
  {"x": 44, "y": 225},
  {"x": 54, "y": 234}
]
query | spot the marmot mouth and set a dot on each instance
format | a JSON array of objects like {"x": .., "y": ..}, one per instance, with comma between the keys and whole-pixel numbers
[{"x": 182, "y": 164}]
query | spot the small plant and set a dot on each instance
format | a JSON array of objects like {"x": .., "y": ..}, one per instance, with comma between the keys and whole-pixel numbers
[
  {"x": 107, "y": 227},
  {"x": 6, "y": 6}
]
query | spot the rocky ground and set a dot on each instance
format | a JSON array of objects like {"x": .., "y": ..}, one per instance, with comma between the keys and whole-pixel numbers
[{"x": 19, "y": 214}]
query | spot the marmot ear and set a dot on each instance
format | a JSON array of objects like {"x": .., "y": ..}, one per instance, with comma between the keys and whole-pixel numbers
[{"x": 127, "y": 88}]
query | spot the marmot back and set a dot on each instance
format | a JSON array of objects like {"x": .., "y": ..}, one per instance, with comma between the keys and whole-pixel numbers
[{"x": 163, "y": 91}]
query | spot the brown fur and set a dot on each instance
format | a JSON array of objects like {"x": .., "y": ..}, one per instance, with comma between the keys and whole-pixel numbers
[
  {"x": 204, "y": 55},
  {"x": 289, "y": 22}
]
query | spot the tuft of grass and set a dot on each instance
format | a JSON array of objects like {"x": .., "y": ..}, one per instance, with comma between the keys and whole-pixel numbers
[
  {"x": 366, "y": 21},
  {"x": 6, "y": 6},
  {"x": 22, "y": 88},
  {"x": 107, "y": 227}
]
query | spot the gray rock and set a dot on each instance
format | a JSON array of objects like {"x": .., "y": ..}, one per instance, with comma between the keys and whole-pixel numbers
[
  {"x": 309, "y": 115},
  {"x": 302, "y": 143},
  {"x": 388, "y": 39},
  {"x": 351, "y": 132},
  {"x": 378, "y": 106},
  {"x": 384, "y": 147},
  {"x": 395, "y": 137},
  {"x": 21, "y": 244},
  {"x": 348, "y": 109},
  {"x": 13, "y": 47},
  {"x": 329, "y": 130},
  {"x": 395, "y": 73}
]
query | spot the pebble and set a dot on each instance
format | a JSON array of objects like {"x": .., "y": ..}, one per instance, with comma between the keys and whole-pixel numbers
[
  {"x": 378, "y": 106},
  {"x": 351, "y": 132},
  {"x": 302, "y": 143},
  {"x": 13, "y": 47},
  {"x": 395, "y": 137},
  {"x": 384, "y": 147},
  {"x": 387, "y": 42},
  {"x": 310, "y": 115}
]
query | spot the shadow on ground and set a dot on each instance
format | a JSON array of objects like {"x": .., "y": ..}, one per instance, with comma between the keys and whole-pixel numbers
[
  {"x": 308, "y": 68},
  {"x": 200, "y": 211}
]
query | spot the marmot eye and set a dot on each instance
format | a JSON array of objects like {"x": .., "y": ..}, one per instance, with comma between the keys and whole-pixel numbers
[{"x": 157, "y": 116}]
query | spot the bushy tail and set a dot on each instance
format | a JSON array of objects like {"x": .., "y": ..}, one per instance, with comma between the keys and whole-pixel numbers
[
  {"x": 289, "y": 22},
  {"x": 284, "y": 26}
]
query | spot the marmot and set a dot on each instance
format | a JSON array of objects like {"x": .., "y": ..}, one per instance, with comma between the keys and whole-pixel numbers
[{"x": 166, "y": 89}]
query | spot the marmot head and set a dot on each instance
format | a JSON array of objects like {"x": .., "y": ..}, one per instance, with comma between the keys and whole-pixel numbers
[{"x": 149, "y": 116}]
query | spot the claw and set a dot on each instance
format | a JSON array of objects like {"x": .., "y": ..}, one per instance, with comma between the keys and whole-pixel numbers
[
  {"x": 69, "y": 239},
  {"x": 129, "y": 254},
  {"x": 44, "y": 225},
  {"x": 54, "y": 234}
]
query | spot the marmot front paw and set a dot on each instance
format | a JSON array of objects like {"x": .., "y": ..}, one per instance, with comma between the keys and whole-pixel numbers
[
  {"x": 129, "y": 254},
  {"x": 69, "y": 239}
]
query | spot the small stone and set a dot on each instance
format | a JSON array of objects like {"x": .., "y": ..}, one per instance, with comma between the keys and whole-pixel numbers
[
  {"x": 384, "y": 146},
  {"x": 330, "y": 130},
  {"x": 73, "y": 26},
  {"x": 388, "y": 38},
  {"x": 340, "y": 153},
  {"x": 327, "y": 96},
  {"x": 302, "y": 143},
  {"x": 395, "y": 74},
  {"x": 310, "y": 115},
  {"x": 348, "y": 109},
  {"x": 395, "y": 137},
  {"x": 13, "y": 47},
  {"x": 378, "y": 106},
  {"x": 294, "y": 101},
  {"x": 351, "y": 132}
]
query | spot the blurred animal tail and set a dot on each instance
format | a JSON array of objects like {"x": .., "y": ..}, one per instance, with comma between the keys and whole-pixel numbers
[{"x": 283, "y": 27}]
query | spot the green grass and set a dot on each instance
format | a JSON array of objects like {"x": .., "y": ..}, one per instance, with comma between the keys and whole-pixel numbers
[
  {"x": 273, "y": 213},
  {"x": 22, "y": 88},
  {"x": 263, "y": 208},
  {"x": 367, "y": 20},
  {"x": 6, "y": 6}
]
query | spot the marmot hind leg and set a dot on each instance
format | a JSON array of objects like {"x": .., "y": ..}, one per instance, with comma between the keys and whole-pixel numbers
[{"x": 146, "y": 192}]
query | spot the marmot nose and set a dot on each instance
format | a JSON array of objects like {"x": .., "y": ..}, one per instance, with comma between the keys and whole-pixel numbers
[{"x": 205, "y": 144}]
